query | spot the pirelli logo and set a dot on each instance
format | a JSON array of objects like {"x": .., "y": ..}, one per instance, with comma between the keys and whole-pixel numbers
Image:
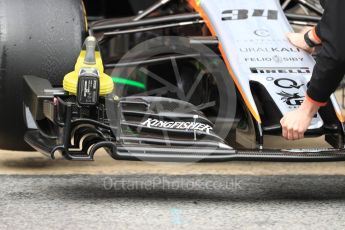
[{"x": 301, "y": 70}]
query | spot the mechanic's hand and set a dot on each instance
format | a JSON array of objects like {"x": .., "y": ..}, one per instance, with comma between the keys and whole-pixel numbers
[
  {"x": 297, "y": 39},
  {"x": 295, "y": 123}
]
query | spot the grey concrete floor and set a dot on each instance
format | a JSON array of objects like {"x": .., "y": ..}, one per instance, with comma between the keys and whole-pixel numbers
[{"x": 172, "y": 202}]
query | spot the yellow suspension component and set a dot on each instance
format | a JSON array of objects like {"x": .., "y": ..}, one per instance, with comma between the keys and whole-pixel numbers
[{"x": 89, "y": 60}]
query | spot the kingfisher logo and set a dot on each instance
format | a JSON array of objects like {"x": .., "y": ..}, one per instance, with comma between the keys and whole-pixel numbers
[{"x": 154, "y": 123}]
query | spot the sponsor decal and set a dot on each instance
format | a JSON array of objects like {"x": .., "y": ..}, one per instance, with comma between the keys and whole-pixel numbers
[
  {"x": 243, "y": 14},
  {"x": 274, "y": 59},
  {"x": 287, "y": 83},
  {"x": 291, "y": 99},
  {"x": 277, "y": 59},
  {"x": 302, "y": 70},
  {"x": 181, "y": 125},
  {"x": 270, "y": 50},
  {"x": 265, "y": 40},
  {"x": 262, "y": 33}
]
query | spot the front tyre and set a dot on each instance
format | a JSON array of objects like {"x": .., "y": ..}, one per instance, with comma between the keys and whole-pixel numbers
[{"x": 37, "y": 37}]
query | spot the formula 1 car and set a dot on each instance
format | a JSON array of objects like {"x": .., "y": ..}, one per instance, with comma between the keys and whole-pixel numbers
[{"x": 197, "y": 80}]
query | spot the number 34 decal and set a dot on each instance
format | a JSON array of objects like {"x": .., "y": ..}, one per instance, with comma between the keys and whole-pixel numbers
[{"x": 242, "y": 14}]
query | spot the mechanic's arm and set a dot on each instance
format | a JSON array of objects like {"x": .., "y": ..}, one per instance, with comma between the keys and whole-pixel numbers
[{"x": 328, "y": 71}]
